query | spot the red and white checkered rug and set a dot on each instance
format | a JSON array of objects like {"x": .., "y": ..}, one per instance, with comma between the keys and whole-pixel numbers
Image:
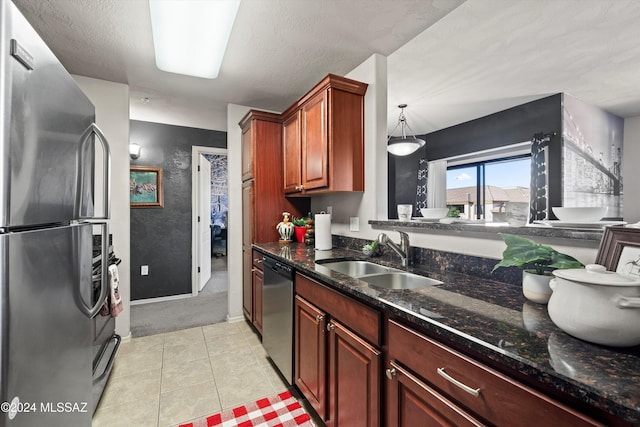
[{"x": 281, "y": 410}]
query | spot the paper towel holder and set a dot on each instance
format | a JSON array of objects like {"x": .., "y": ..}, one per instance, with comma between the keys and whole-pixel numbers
[{"x": 322, "y": 227}]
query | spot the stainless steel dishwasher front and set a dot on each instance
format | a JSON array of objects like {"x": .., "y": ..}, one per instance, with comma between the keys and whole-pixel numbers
[{"x": 277, "y": 315}]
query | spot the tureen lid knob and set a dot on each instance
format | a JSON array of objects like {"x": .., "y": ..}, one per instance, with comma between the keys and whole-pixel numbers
[{"x": 595, "y": 268}]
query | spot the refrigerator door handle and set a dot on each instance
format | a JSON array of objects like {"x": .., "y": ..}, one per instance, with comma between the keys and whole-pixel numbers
[
  {"x": 106, "y": 179},
  {"x": 89, "y": 311}
]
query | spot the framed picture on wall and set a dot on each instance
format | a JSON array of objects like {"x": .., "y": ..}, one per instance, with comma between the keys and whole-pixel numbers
[
  {"x": 145, "y": 187},
  {"x": 620, "y": 250}
]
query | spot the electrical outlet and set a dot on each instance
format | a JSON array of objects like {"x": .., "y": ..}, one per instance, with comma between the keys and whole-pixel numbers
[
  {"x": 144, "y": 270},
  {"x": 354, "y": 223},
  {"x": 330, "y": 210}
]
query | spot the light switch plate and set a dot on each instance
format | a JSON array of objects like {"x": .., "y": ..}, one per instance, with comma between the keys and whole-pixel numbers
[
  {"x": 354, "y": 223},
  {"x": 144, "y": 270}
]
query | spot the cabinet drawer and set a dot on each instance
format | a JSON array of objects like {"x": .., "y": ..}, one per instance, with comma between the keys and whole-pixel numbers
[
  {"x": 361, "y": 319},
  {"x": 411, "y": 402},
  {"x": 491, "y": 395},
  {"x": 257, "y": 260}
]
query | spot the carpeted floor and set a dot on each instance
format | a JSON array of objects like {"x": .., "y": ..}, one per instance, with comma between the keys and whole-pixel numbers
[{"x": 209, "y": 307}]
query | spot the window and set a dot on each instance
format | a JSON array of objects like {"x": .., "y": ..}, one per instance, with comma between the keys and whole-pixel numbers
[{"x": 491, "y": 186}]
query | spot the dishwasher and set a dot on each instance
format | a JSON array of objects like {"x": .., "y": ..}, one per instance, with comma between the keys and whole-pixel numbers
[{"x": 277, "y": 315}]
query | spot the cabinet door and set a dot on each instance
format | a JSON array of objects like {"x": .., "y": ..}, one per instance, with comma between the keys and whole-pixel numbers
[
  {"x": 247, "y": 286},
  {"x": 258, "y": 282},
  {"x": 315, "y": 144},
  {"x": 310, "y": 354},
  {"x": 291, "y": 153},
  {"x": 247, "y": 258},
  {"x": 248, "y": 218},
  {"x": 247, "y": 153},
  {"x": 354, "y": 379},
  {"x": 410, "y": 402}
]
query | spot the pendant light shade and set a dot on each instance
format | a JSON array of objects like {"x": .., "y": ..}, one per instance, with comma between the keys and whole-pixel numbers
[{"x": 403, "y": 145}]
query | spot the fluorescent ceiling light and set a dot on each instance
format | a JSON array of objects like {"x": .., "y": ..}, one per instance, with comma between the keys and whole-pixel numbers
[{"x": 190, "y": 36}]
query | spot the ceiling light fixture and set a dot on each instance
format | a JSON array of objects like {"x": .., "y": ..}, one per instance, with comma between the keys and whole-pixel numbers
[
  {"x": 190, "y": 37},
  {"x": 403, "y": 146}
]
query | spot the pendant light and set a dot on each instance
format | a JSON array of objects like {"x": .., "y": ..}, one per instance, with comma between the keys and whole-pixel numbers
[{"x": 404, "y": 145}]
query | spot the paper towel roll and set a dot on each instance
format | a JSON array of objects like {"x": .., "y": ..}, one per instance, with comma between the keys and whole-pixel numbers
[{"x": 322, "y": 223}]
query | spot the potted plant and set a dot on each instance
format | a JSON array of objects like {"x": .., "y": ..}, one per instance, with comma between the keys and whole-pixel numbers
[
  {"x": 370, "y": 248},
  {"x": 536, "y": 261},
  {"x": 300, "y": 228}
]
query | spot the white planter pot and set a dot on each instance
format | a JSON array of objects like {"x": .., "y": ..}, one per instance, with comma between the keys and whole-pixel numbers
[{"x": 536, "y": 287}]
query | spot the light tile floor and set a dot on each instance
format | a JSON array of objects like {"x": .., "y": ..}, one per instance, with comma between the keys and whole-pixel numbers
[{"x": 167, "y": 379}]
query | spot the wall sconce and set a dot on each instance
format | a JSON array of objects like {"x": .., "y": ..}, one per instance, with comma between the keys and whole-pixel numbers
[{"x": 134, "y": 151}]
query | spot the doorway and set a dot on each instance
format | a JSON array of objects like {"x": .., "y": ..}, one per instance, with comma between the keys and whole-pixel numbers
[{"x": 209, "y": 220}]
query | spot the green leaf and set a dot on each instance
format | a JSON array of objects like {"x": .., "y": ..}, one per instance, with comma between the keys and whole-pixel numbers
[{"x": 525, "y": 253}]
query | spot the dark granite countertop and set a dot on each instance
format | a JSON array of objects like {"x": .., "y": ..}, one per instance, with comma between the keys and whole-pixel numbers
[{"x": 495, "y": 320}]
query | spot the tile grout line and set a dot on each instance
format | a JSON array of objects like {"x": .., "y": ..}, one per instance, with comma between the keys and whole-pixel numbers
[{"x": 213, "y": 373}]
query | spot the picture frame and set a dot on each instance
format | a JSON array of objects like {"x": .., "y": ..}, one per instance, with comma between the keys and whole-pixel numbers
[
  {"x": 145, "y": 187},
  {"x": 619, "y": 250}
]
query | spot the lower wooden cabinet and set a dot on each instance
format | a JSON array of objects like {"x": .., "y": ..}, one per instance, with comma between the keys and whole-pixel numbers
[
  {"x": 336, "y": 369},
  {"x": 458, "y": 390},
  {"x": 310, "y": 354},
  {"x": 354, "y": 379},
  {"x": 257, "y": 275},
  {"x": 252, "y": 285},
  {"x": 247, "y": 284},
  {"x": 410, "y": 402}
]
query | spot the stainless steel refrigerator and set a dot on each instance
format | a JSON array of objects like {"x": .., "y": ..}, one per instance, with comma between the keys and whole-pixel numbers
[{"x": 48, "y": 141}]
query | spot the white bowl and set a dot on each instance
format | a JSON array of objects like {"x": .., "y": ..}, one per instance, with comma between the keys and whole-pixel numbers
[
  {"x": 434, "y": 213},
  {"x": 580, "y": 214}
]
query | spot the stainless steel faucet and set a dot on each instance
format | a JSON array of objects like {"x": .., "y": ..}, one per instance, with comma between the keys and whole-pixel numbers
[{"x": 402, "y": 250}]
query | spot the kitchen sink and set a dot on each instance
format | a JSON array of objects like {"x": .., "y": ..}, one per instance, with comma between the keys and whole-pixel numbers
[
  {"x": 357, "y": 268},
  {"x": 399, "y": 280},
  {"x": 380, "y": 276}
]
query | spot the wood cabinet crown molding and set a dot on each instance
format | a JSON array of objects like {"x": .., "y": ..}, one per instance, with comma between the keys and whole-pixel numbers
[
  {"x": 330, "y": 81},
  {"x": 259, "y": 115}
]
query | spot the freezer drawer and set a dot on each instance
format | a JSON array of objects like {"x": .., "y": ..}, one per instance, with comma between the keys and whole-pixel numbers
[{"x": 45, "y": 337}]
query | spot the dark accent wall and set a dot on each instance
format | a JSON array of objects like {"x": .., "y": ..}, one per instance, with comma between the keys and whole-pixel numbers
[
  {"x": 161, "y": 237},
  {"x": 511, "y": 126}
]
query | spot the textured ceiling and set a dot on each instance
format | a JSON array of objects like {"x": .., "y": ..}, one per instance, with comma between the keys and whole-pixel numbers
[
  {"x": 450, "y": 60},
  {"x": 277, "y": 51},
  {"x": 489, "y": 55}
]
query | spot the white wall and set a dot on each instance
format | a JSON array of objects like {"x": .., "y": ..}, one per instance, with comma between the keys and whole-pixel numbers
[
  {"x": 234, "y": 239},
  {"x": 175, "y": 111},
  {"x": 630, "y": 159},
  {"x": 112, "y": 117},
  {"x": 372, "y": 204}
]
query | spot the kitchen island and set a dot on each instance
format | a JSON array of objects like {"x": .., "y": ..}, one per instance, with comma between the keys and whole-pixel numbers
[{"x": 492, "y": 322}]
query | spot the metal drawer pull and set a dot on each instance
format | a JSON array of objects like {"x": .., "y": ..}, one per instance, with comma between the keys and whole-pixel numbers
[
  {"x": 471, "y": 391},
  {"x": 319, "y": 318},
  {"x": 391, "y": 372},
  {"x": 330, "y": 327}
]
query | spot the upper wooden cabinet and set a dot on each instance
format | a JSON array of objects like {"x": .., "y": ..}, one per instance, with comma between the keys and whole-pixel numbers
[
  {"x": 263, "y": 200},
  {"x": 260, "y": 138},
  {"x": 323, "y": 139}
]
